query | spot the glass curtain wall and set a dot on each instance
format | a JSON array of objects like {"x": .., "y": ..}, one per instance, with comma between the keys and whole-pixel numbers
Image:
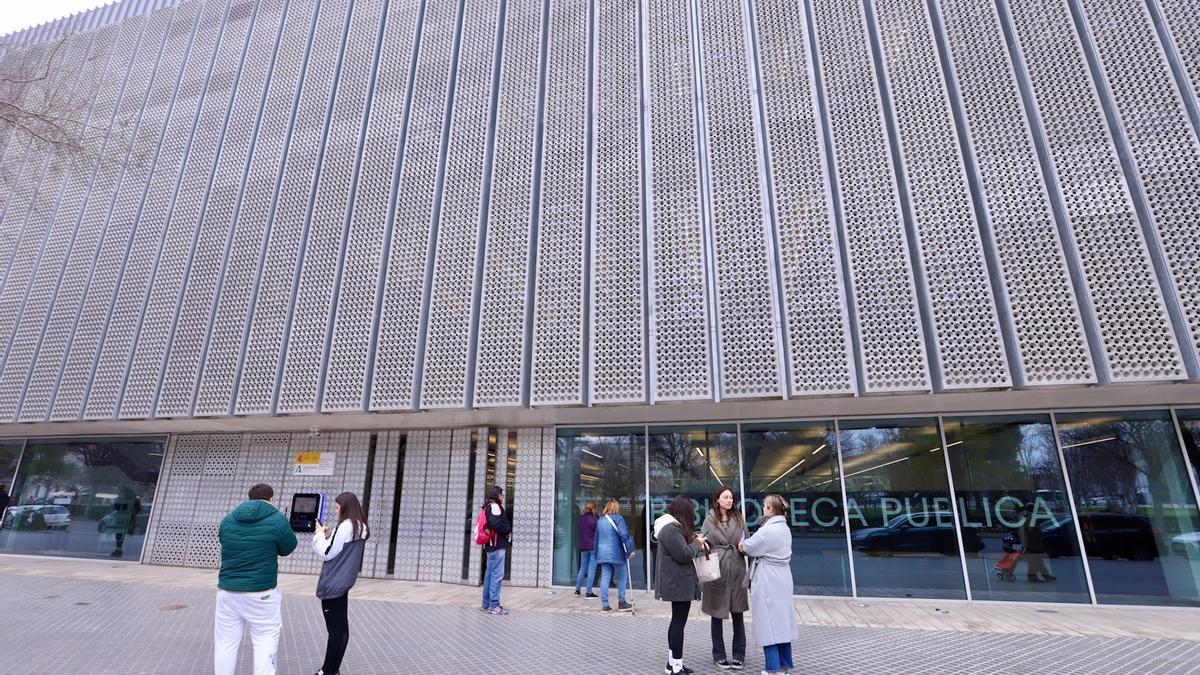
[
  {"x": 1134, "y": 501},
  {"x": 88, "y": 498},
  {"x": 898, "y": 500},
  {"x": 594, "y": 466},
  {"x": 799, "y": 462},
  {"x": 1028, "y": 489},
  {"x": 692, "y": 462},
  {"x": 1009, "y": 485}
]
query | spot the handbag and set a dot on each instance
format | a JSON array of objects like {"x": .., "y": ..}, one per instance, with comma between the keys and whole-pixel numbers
[{"x": 708, "y": 568}]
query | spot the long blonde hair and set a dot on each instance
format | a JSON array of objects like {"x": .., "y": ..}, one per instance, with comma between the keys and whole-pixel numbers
[
  {"x": 613, "y": 506},
  {"x": 590, "y": 507}
]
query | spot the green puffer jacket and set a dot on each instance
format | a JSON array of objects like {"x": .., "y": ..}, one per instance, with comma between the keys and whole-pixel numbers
[{"x": 252, "y": 536}]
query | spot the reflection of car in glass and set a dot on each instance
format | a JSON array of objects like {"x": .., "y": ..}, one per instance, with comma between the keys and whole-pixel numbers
[
  {"x": 1105, "y": 535},
  {"x": 916, "y": 533},
  {"x": 36, "y": 517},
  {"x": 1186, "y": 545}
]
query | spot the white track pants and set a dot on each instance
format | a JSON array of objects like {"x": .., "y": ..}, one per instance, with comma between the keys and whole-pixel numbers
[{"x": 261, "y": 612}]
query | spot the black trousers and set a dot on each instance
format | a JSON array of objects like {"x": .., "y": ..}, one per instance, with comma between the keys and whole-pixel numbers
[
  {"x": 679, "y": 615},
  {"x": 338, "y": 625},
  {"x": 739, "y": 637}
]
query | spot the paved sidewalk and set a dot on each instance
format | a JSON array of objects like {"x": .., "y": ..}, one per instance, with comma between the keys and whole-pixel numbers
[{"x": 102, "y": 617}]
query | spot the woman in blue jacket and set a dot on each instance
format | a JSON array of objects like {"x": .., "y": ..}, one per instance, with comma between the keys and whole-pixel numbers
[{"x": 614, "y": 547}]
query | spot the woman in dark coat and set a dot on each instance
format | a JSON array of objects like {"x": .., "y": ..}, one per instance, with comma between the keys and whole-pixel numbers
[
  {"x": 674, "y": 573},
  {"x": 726, "y": 598}
]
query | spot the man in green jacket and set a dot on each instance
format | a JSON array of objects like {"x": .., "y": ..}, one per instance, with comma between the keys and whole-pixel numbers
[{"x": 252, "y": 537}]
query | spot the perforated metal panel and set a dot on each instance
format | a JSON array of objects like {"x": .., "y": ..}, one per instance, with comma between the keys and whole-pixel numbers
[
  {"x": 399, "y": 321},
  {"x": 818, "y": 329},
  {"x": 679, "y": 324},
  {"x": 965, "y": 327},
  {"x": 558, "y": 317},
  {"x": 21, "y": 232},
  {"x": 305, "y": 357},
  {"x": 1160, "y": 137},
  {"x": 30, "y": 316},
  {"x": 451, "y": 297},
  {"x": 183, "y": 467},
  {"x": 216, "y": 236},
  {"x": 458, "y": 508},
  {"x": 165, "y": 127},
  {"x": 107, "y": 67},
  {"x": 109, "y": 188},
  {"x": 501, "y": 347},
  {"x": 892, "y": 346},
  {"x": 434, "y": 516},
  {"x": 526, "y": 510},
  {"x": 25, "y": 148},
  {"x": 289, "y": 225},
  {"x": 212, "y": 500},
  {"x": 1184, "y": 27},
  {"x": 1133, "y": 323},
  {"x": 229, "y": 324},
  {"x": 412, "y": 504},
  {"x": 747, "y": 318},
  {"x": 346, "y": 367},
  {"x": 546, "y": 529},
  {"x": 54, "y": 331},
  {"x": 1051, "y": 341},
  {"x": 616, "y": 349},
  {"x": 188, "y": 223}
]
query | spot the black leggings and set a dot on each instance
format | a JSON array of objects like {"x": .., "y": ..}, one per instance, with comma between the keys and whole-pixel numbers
[
  {"x": 338, "y": 626},
  {"x": 679, "y": 615}
]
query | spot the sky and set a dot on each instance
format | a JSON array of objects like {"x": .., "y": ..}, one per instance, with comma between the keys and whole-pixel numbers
[{"x": 18, "y": 14}]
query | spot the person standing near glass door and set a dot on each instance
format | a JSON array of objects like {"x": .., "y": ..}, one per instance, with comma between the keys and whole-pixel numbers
[
  {"x": 587, "y": 548},
  {"x": 614, "y": 548},
  {"x": 726, "y": 598},
  {"x": 771, "y": 606}
]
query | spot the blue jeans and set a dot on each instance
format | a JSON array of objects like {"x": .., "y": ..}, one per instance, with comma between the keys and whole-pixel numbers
[
  {"x": 607, "y": 571},
  {"x": 587, "y": 561},
  {"x": 778, "y": 657},
  {"x": 492, "y": 576}
]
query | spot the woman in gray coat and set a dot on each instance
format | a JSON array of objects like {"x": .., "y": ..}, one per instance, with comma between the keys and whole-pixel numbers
[
  {"x": 674, "y": 573},
  {"x": 724, "y": 528},
  {"x": 770, "y": 550}
]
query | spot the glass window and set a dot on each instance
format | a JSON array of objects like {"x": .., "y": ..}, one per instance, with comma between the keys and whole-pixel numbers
[
  {"x": 1137, "y": 512},
  {"x": 799, "y": 462},
  {"x": 1189, "y": 424},
  {"x": 690, "y": 461},
  {"x": 10, "y": 455},
  {"x": 595, "y": 465},
  {"x": 1018, "y": 533},
  {"x": 88, "y": 498},
  {"x": 898, "y": 499}
]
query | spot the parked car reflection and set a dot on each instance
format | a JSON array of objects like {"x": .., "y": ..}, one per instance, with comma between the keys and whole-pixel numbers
[
  {"x": 36, "y": 517},
  {"x": 1105, "y": 535},
  {"x": 916, "y": 533}
]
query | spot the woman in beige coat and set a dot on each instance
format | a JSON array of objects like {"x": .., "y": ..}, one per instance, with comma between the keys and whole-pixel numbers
[{"x": 724, "y": 528}]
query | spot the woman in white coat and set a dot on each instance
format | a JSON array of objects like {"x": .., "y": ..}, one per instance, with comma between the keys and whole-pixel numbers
[{"x": 770, "y": 550}]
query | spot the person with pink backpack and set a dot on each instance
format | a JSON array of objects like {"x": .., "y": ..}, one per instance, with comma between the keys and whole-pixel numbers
[{"x": 493, "y": 531}]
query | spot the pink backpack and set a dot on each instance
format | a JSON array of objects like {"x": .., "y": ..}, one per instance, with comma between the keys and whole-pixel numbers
[{"x": 482, "y": 534}]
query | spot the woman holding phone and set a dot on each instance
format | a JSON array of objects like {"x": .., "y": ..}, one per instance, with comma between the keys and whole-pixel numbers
[{"x": 341, "y": 548}]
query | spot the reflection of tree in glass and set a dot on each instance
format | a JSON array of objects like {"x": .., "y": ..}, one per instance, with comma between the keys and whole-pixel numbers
[{"x": 1129, "y": 466}]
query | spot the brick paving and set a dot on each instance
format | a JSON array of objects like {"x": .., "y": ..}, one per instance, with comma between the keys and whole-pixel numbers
[{"x": 71, "y": 625}]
